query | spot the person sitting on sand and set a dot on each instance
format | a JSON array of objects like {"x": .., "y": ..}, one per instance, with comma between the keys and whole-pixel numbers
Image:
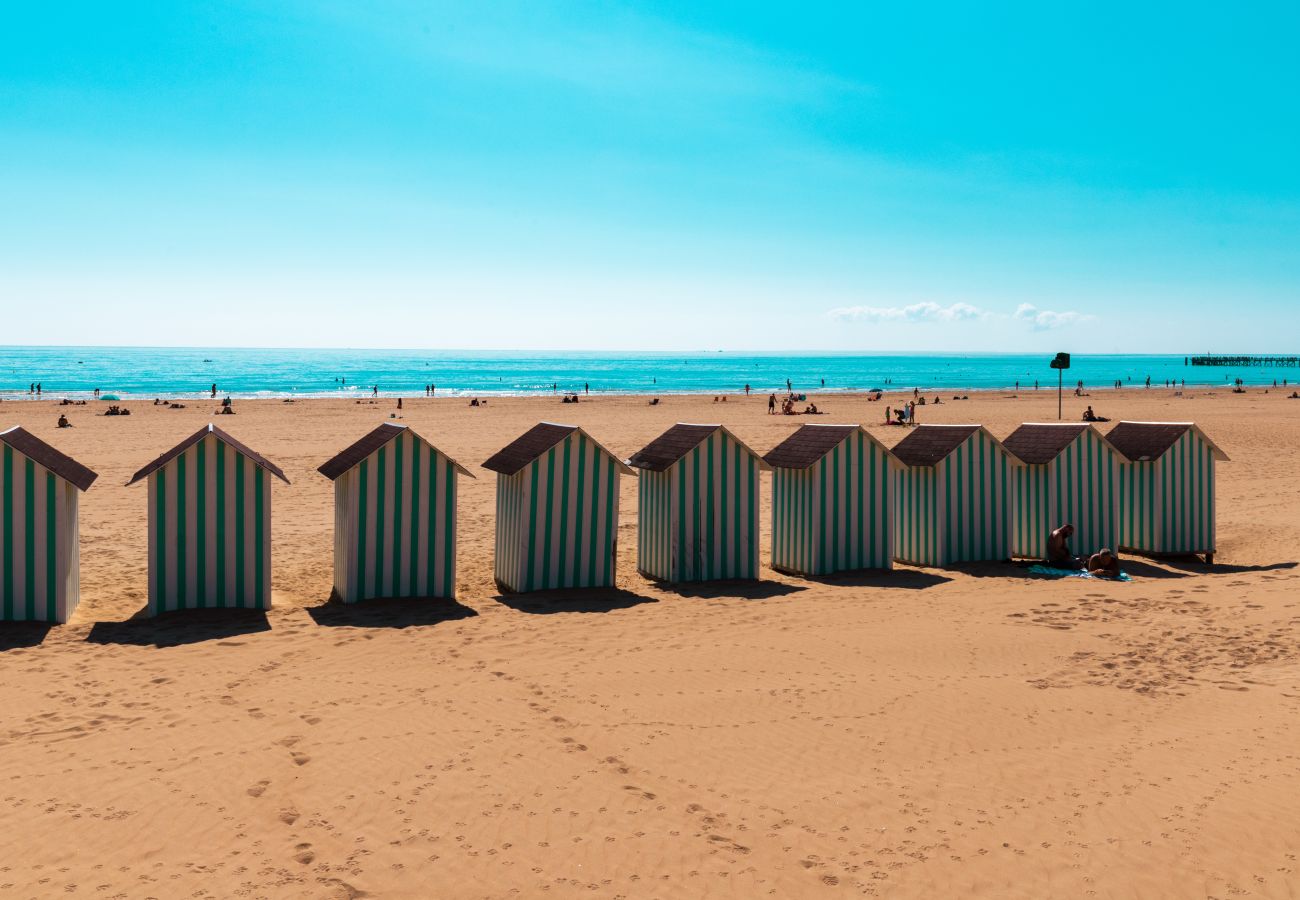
[
  {"x": 1058, "y": 548},
  {"x": 1103, "y": 564},
  {"x": 63, "y": 422}
]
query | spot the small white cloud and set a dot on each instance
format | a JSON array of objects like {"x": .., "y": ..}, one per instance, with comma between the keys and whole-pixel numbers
[
  {"x": 926, "y": 311},
  {"x": 1046, "y": 319}
]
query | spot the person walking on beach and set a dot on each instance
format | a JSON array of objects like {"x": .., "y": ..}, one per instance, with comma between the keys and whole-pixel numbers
[
  {"x": 746, "y": 390},
  {"x": 375, "y": 392},
  {"x": 771, "y": 404},
  {"x": 586, "y": 388}
]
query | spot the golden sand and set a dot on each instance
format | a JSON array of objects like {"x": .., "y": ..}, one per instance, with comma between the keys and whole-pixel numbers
[{"x": 923, "y": 733}]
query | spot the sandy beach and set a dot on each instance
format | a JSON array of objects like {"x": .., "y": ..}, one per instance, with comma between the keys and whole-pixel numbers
[{"x": 920, "y": 733}]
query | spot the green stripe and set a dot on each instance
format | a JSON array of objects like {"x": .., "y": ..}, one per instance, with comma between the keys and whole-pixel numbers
[
  {"x": 449, "y": 534},
  {"x": 363, "y": 487},
  {"x": 381, "y": 513},
  {"x": 201, "y": 524},
  {"x": 548, "y": 519},
  {"x": 611, "y": 507},
  {"x": 431, "y": 562},
  {"x": 8, "y": 512},
  {"x": 240, "y": 530},
  {"x": 598, "y": 464},
  {"x": 221, "y": 524},
  {"x": 160, "y": 546},
  {"x": 29, "y": 539},
  {"x": 181, "y": 561},
  {"x": 643, "y": 533},
  {"x": 51, "y": 551},
  {"x": 259, "y": 534},
  {"x": 399, "y": 451},
  {"x": 562, "y": 576},
  {"x": 413, "y": 570},
  {"x": 530, "y": 566}
]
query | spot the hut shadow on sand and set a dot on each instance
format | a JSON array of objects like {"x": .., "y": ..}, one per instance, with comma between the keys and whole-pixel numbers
[
  {"x": 21, "y": 635},
  {"x": 183, "y": 627},
  {"x": 584, "y": 600},
  {"x": 400, "y": 612},
  {"x": 733, "y": 590},
  {"x": 899, "y": 579}
]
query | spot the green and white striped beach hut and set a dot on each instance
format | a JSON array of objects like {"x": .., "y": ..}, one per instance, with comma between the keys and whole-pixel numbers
[
  {"x": 952, "y": 498},
  {"x": 40, "y": 540},
  {"x": 1166, "y": 496},
  {"x": 394, "y": 517},
  {"x": 1070, "y": 474},
  {"x": 209, "y": 524},
  {"x": 832, "y": 494},
  {"x": 698, "y": 513},
  {"x": 557, "y": 510}
]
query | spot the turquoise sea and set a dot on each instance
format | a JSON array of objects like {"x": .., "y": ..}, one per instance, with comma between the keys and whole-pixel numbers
[{"x": 191, "y": 372}]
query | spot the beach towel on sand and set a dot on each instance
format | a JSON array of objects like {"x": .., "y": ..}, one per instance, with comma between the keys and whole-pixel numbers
[{"x": 1049, "y": 572}]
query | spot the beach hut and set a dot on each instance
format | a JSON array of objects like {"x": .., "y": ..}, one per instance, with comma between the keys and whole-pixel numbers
[
  {"x": 1166, "y": 489},
  {"x": 1070, "y": 474},
  {"x": 832, "y": 486},
  {"x": 40, "y": 545},
  {"x": 394, "y": 517},
  {"x": 698, "y": 512},
  {"x": 952, "y": 496},
  {"x": 209, "y": 524},
  {"x": 557, "y": 510}
]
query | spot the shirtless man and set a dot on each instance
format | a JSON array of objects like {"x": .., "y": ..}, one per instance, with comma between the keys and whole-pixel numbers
[
  {"x": 1103, "y": 564},
  {"x": 1058, "y": 548}
]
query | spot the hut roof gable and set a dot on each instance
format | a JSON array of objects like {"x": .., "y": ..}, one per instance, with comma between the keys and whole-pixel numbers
[
  {"x": 810, "y": 443},
  {"x": 209, "y": 429},
  {"x": 929, "y": 445},
  {"x": 41, "y": 453},
  {"x": 670, "y": 447},
  {"x": 534, "y": 442},
  {"x": 369, "y": 443},
  {"x": 1148, "y": 441},
  {"x": 1038, "y": 443}
]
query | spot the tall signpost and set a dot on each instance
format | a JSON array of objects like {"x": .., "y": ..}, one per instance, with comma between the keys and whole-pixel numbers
[{"x": 1060, "y": 364}]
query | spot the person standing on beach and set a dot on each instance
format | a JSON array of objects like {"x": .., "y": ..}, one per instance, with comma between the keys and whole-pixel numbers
[
  {"x": 771, "y": 404},
  {"x": 586, "y": 388},
  {"x": 789, "y": 388},
  {"x": 746, "y": 390}
]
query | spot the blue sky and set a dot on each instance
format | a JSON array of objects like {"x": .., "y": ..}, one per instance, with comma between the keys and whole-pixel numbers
[{"x": 1099, "y": 178}]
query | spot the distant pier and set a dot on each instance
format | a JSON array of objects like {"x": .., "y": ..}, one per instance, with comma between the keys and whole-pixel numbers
[{"x": 1249, "y": 362}]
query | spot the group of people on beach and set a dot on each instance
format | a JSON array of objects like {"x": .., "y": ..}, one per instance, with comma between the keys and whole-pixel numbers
[{"x": 1102, "y": 564}]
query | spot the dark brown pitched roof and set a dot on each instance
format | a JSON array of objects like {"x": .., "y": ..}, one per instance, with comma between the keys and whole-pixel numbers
[
  {"x": 1038, "y": 444},
  {"x": 193, "y": 439},
  {"x": 536, "y": 441},
  {"x": 671, "y": 446},
  {"x": 1143, "y": 441},
  {"x": 928, "y": 445},
  {"x": 368, "y": 444},
  {"x": 807, "y": 445},
  {"x": 41, "y": 453}
]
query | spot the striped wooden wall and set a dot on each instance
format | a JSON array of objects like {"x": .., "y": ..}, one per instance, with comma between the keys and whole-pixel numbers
[
  {"x": 975, "y": 496},
  {"x": 1081, "y": 486},
  {"x": 39, "y": 542},
  {"x": 917, "y": 517},
  {"x": 557, "y": 519},
  {"x": 836, "y": 515},
  {"x": 698, "y": 521},
  {"x": 957, "y": 511},
  {"x": 1168, "y": 506},
  {"x": 395, "y": 524},
  {"x": 209, "y": 531}
]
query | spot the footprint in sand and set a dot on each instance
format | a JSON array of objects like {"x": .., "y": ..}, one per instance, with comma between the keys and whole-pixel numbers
[
  {"x": 258, "y": 789},
  {"x": 289, "y": 816},
  {"x": 304, "y": 854}
]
